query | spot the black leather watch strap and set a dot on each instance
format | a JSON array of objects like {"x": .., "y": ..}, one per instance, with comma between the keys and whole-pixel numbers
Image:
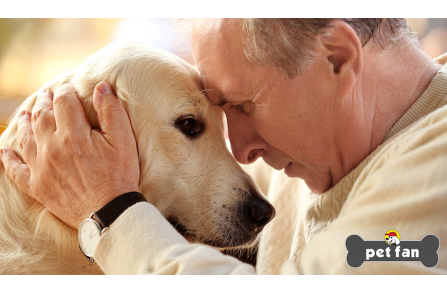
[{"x": 111, "y": 211}]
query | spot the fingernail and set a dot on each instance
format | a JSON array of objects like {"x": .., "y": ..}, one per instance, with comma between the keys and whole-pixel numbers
[
  {"x": 22, "y": 113},
  {"x": 104, "y": 88}
]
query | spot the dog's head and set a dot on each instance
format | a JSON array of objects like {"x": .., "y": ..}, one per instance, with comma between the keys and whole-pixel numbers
[{"x": 186, "y": 169}]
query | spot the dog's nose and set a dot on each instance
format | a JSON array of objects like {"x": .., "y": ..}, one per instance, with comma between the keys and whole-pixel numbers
[{"x": 260, "y": 212}]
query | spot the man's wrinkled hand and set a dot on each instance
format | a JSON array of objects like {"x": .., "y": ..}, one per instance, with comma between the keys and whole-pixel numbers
[{"x": 70, "y": 168}]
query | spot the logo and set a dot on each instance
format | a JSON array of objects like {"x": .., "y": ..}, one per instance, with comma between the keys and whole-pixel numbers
[
  {"x": 392, "y": 249},
  {"x": 392, "y": 237}
]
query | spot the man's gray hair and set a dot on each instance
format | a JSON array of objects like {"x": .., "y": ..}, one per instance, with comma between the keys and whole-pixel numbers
[{"x": 288, "y": 44}]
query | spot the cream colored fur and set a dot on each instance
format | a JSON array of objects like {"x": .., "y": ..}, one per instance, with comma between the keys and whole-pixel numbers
[{"x": 195, "y": 182}]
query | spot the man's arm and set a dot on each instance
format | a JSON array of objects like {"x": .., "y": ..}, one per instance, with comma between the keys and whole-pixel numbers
[{"x": 141, "y": 241}]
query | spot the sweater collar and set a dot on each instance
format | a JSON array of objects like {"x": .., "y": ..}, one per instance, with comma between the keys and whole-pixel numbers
[{"x": 432, "y": 98}]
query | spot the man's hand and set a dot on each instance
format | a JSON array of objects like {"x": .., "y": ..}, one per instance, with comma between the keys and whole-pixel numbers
[{"x": 70, "y": 168}]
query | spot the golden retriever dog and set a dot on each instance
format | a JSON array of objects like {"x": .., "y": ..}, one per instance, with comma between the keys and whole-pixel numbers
[{"x": 187, "y": 171}]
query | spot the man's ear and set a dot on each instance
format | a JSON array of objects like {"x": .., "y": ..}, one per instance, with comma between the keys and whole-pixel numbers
[{"x": 343, "y": 48}]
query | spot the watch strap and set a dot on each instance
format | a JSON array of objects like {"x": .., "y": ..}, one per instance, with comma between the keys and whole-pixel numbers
[{"x": 111, "y": 211}]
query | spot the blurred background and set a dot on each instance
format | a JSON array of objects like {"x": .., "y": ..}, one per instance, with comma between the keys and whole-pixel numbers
[{"x": 33, "y": 51}]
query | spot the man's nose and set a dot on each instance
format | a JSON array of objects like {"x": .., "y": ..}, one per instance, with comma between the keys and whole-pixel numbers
[{"x": 246, "y": 144}]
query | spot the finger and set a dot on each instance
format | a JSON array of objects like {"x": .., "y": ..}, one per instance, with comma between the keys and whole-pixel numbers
[
  {"x": 25, "y": 136},
  {"x": 112, "y": 116},
  {"x": 43, "y": 122},
  {"x": 18, "y": 172},
  {"x": 68, "y": 110}
]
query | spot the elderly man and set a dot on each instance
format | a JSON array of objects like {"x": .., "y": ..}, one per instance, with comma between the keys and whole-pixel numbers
[{"x": 351, "y": 106}]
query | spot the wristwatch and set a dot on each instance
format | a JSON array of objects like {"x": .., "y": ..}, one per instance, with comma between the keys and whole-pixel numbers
[{"x": 94, "y": 226}]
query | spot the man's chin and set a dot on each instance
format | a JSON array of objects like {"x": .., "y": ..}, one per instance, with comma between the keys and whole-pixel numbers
[
  {"x": 294, "y": 170},
  {"x": 314, "y": 183},
  {"x": 317, "y": 188}
]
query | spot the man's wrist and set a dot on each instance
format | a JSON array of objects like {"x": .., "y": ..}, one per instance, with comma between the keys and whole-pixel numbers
[
  {"x": 92, "y": 228},
  {"x": 114, "y": 208}
]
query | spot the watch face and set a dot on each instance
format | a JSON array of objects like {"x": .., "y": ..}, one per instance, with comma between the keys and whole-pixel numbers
[{"x": 88, "y": 236}]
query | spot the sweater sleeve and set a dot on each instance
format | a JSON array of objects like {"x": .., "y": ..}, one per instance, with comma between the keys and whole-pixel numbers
[{"x": 141, "y": 241}]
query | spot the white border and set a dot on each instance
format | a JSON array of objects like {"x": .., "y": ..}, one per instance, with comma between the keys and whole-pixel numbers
[
  {"x": 221, "y": 284},
  {"x": 223, "y": 8}
]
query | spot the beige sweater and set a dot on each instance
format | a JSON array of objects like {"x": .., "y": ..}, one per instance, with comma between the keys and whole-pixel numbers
[{"x": 402, "y": 185}]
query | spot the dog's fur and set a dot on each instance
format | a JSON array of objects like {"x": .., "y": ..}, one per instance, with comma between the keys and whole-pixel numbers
[{"x": 195, "y": 183}]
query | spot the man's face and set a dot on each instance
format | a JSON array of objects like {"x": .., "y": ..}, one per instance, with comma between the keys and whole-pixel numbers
[{"x": 290, "y": 123}]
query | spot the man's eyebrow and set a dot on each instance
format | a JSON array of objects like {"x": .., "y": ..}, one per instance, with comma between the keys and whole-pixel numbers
[{"x": 222, "y": 99}]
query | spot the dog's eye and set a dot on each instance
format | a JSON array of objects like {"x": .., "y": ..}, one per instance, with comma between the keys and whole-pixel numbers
[{"x": 190, "y": 126}]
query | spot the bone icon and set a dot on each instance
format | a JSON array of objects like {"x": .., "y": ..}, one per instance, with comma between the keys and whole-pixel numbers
[
  {"x": 425, "y": 251},
  {"x": 430, "y": 245},
  {"x": 356, "y": 247}
]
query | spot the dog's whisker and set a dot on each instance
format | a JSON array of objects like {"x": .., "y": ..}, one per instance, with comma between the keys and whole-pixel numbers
[
  {"x": 212, "y": 231},
  {"x": 204, "y": 215}
]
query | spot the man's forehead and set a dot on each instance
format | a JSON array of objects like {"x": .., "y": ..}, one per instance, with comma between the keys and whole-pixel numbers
[
  {"x": 217, "y": 47},
  {"x": 220, "y": 68},
  {"x": 214, "y": 96},
  {"x": 219, "y": 92},
  {"x": 205, "y": 40}
]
